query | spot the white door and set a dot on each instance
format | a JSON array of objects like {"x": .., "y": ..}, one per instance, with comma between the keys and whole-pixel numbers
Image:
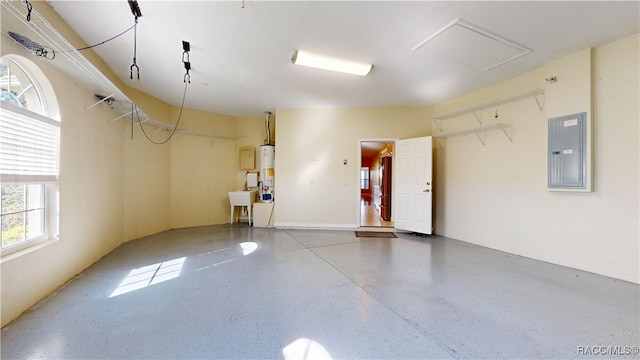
[{"x": 414, "y": 179}]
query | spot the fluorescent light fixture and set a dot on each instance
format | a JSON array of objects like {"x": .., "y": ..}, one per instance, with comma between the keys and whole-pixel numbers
[{"x": 330, "y": 63}]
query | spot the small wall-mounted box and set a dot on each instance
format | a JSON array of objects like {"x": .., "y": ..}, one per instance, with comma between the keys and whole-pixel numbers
[{"x": 567, "y": 153}]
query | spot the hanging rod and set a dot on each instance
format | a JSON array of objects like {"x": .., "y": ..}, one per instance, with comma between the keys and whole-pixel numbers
[
  {"x": 477, "y": 130},
  {"x": 491, "y": 103}
]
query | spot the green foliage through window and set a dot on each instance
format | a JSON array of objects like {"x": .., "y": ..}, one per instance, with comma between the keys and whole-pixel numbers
[{"x": 22, "y": 213}]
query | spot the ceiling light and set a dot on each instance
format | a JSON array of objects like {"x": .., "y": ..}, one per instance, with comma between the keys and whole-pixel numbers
[{"x": 330, "y": 63}]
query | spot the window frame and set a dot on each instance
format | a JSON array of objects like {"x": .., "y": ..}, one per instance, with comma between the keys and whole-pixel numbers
[
  {"x": 366, "y": 180},
  {"x": 48, "y": 219},
  {"x": 25, "y": 75},
  {"x": 42, "y": 107}
]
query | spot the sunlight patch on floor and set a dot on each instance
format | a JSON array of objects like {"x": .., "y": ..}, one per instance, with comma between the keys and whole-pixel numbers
[
  {"x": 248, "y": 247},
  {"x": 150, "y": 275},
  {"x": 303, "y": 349}
]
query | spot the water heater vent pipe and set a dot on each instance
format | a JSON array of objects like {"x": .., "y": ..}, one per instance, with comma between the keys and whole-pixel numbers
[{"x": 267, "y": 114}]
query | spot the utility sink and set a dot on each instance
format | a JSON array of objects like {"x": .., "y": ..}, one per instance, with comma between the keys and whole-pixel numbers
[{"x": 242, "y": 198}]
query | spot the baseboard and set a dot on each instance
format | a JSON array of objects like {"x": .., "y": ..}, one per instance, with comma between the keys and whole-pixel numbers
[{"x": 283, "y": 225}]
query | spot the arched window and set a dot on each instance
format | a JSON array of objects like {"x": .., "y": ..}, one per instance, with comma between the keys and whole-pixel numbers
[{"x": 29, "y": 155}]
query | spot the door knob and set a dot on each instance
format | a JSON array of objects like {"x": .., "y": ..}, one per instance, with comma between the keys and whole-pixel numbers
[{"x": 425, "y": 190}]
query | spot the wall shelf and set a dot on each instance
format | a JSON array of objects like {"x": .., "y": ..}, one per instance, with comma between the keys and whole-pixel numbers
[
  {"x": 477, "y": 131},
  {"x": 180, "y": 130},
  {"x": 487, "y": 104}
]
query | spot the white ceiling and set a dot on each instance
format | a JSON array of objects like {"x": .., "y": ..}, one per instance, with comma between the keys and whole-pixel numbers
[{"x": 240, "y": 50}]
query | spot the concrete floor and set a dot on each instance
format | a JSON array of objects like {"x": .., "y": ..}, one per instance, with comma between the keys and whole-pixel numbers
[{"x": 231, "y": 291}]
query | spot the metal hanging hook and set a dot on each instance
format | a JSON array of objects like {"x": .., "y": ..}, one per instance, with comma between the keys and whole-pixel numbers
[
  {"x": 187, "y": 77},
  {"x": 29, "y": 9},
  {"x": 135, "y": 65}
]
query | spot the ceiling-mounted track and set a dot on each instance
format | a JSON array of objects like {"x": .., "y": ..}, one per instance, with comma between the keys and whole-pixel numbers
[{"x": 68, "y": 61}]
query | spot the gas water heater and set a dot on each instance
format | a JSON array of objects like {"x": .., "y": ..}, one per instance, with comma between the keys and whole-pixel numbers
[{"x": 267, "y": 160}]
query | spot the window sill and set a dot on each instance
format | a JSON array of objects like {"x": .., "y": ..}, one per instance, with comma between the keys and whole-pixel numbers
[{"x": 12, "y": 254}]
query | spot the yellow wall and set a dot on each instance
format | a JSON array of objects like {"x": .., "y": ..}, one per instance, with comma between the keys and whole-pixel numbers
[
  {"x": 203, "y": 170},
  {"x": 252, "y": 133},
  {"x": 313, "y": 188},
  {"x": 91, "y": 185},
  {"x": 496, "y": 195},
  {"x": 112, "y": 188},
  {"x": 147, "y": 183}
]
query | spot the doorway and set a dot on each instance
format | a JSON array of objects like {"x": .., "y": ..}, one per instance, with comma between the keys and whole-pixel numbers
[{"x": 375, "y": 183}]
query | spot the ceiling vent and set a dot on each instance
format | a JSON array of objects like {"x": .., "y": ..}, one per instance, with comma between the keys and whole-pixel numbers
[{"x": 471, "y": 46}]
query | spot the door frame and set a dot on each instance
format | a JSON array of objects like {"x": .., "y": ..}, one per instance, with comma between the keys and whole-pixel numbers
[{"x": 393, "y": 175}]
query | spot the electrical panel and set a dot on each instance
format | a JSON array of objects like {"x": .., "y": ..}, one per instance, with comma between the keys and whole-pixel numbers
[{"x": 567, "y": 152}]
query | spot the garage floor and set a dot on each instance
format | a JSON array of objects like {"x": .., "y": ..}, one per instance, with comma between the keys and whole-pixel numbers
[{"x": 231, "y": 291}]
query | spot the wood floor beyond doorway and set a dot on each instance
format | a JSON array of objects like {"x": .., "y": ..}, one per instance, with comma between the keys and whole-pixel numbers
[{"x": 370, "y": 214}]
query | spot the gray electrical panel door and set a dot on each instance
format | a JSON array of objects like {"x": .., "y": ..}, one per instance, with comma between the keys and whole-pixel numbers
[{"x": 567, "y": 152}]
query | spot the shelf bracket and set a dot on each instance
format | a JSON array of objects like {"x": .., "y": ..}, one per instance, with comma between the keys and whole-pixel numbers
[
  {"x": 101, "y": 100},
  {"x": 160, "y": 128},
  {"x": 121, "y": 116},
  {"x": 478, "y": 136},
  {"x": 506, "y": 134},
  {"x": 438, "y": 125},
  {"x": 476, "y": 116},
  {"x": 533, "y": 93}
]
